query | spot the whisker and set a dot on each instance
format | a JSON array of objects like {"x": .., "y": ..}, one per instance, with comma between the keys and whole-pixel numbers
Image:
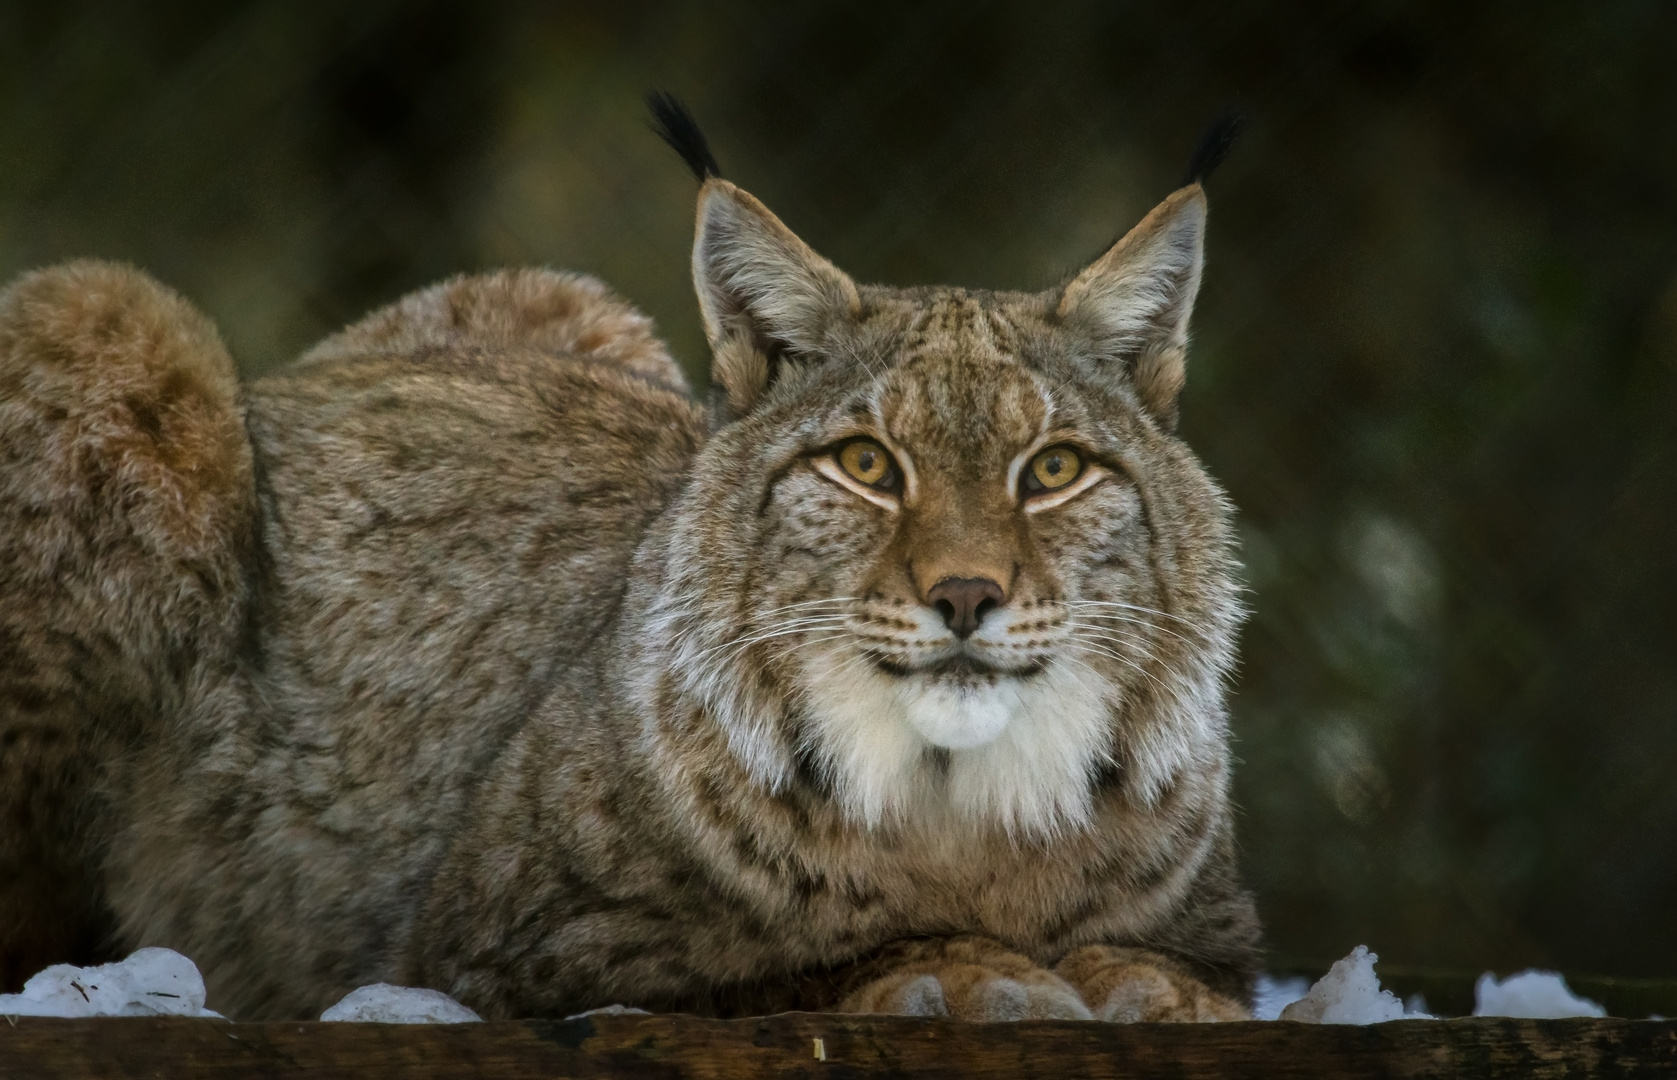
[
  {"x": 688, "y": 611},
  {"x": 1129, "y": 634},
  {"x": 804, "y": 624},
  {"x": 728, "y": 658},
  {"x": 808, "y": 603},
  {"x": 1098, "y": 694},
  {"x": 1137, "y": 609},
  {"x": 1128, "y": 662},
  {"x": 1117, "y": 637},
  {"x": 785, "y": 624}
]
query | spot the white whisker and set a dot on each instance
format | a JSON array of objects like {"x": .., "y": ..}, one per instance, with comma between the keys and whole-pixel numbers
[
  {"x": 1128, "y": 662},
  {"x": 795, "y": 626},
  {"x": 1112, "y": 609}
]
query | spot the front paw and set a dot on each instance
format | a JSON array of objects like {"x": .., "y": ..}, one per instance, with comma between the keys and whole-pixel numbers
[
  {"x": 971, "y": 991},
  {"x": 1129, "y": 986}
]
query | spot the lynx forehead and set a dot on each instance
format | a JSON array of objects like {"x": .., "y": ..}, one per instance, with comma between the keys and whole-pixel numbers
[{"x": 964, "y": 406}]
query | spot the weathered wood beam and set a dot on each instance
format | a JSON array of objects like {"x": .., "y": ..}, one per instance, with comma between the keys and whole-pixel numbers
[{"x": 836, "y": 1047}]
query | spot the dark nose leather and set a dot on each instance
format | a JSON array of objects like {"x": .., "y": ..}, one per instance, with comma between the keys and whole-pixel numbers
[{"x": 964, "y": 601}]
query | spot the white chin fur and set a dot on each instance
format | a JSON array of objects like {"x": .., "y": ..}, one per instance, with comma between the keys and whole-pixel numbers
[
  {"x": 1020, "y": 752},
  {"x": 956, "y": 716}
]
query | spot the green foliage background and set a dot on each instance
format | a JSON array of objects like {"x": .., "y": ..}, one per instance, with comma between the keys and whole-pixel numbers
[{"x": 1435, "y": 355}]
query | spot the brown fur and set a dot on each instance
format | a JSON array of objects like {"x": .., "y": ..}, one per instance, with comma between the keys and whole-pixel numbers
[
  {"x": 125, "y": 542},
  {"x": 473, "y": 667}
]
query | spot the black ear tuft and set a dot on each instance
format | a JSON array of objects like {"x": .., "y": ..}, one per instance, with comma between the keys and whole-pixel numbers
[
  {"x": 1214, "y": 145},
  {"x": 676, "y": 126}
]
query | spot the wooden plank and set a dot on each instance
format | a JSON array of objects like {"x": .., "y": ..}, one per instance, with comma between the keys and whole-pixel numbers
[{"x": 808, "y": 1045}]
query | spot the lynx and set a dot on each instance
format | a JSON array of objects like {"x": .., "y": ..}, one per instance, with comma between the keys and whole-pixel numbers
[{"x": 471, "y": 652}]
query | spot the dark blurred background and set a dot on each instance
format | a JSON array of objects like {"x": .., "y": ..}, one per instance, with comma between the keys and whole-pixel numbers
[{"x": 1435, "y": 363}]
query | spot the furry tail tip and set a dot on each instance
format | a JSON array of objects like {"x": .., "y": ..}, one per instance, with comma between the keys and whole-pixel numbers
[
  {"x": 1214, "y": 145},
  {"x": 675, "y": 125}
]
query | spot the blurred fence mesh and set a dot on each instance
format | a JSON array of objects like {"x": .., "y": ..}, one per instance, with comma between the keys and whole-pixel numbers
[{"x": 1434, "y": 364}]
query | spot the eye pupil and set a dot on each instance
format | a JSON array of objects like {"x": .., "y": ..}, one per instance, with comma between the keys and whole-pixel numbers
[
  {"x": 1055, "y": 469},
  {"x": 868, "y": 463}
]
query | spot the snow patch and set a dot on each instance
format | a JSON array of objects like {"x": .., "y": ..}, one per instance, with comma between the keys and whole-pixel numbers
[
  {"x": 382, "y": 1003},
  {"x": 151, "y": 982},
  {"x": 1349, "y": 994},
  {"x": 1532, "y": 995}
]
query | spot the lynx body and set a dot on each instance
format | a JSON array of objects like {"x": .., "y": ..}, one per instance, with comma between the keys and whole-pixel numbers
[{"x": 470, "y": 652}]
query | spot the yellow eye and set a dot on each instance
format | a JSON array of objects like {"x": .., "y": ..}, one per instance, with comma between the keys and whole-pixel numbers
[
  {"x": 1053, "y": 468},
  {"x": 869, "y": 463}
]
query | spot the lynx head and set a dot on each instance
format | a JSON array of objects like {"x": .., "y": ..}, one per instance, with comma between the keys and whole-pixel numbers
[{"x": 943, "y": 557}]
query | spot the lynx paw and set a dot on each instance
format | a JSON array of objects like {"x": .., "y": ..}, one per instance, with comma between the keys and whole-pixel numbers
[
  {"x": 969, "y": 980},
  {"x": 1130, "y": 986}
]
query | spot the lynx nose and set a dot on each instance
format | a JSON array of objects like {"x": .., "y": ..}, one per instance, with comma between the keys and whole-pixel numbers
[{"x": 964, "y": 601}]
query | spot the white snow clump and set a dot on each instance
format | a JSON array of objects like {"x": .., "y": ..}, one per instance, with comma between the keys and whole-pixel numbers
[
  {"x": 382, "y": 1003},
  {"x": 1532, "y": 995},
  {"x": 151, "y": 982},
  {"x": 1349, "y": 994}
]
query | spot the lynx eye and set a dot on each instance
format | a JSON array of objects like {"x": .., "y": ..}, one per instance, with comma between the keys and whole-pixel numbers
[
  {"x": 868, "y": 463},
  {"x": 1052, "y": 469}
]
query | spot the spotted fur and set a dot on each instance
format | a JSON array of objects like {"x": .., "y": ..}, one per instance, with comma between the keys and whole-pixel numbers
[{"x": 471, "y": 653}]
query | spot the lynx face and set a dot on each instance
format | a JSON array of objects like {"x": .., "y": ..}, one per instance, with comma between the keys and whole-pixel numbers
[{"x": 943, "y": 554}]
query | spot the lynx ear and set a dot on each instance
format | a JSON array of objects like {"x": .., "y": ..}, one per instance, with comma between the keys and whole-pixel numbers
[
  {"x": 762, "y": 292},
  {"x": 1135, "y": 300}
]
